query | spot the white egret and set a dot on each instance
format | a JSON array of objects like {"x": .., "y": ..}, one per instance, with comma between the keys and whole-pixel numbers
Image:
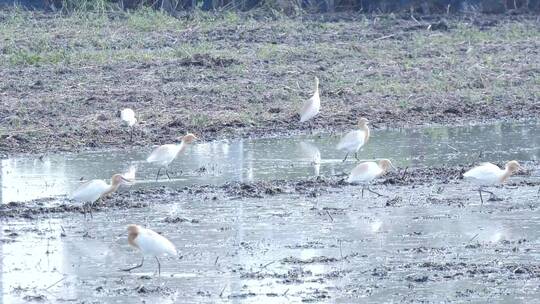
[
  {"x": 165, "y": 154},
  {"x": 128, "y": 118},
  {"x": 366, "y": 172},
  {"x": 90, "y": 191},
  {"x": 149, "y": 243},
  {"x": 487, "y": 174},
  {"x": 354, "y": 140},
  {"x": 311, "y": 106}
]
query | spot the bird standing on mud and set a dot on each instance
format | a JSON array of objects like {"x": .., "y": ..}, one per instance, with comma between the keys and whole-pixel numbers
[
  {"x": 366, "y": 172},
  {"x": 90, "y": 191},
  {"x": 165, "y": 154},
  {"x": 354, "y": 140},
  {"x": 311, "y": 106},
  {"x": 150, "y": 243},
  {"x": 488, "y": 174},
  {"x": 128, "y": 118}
]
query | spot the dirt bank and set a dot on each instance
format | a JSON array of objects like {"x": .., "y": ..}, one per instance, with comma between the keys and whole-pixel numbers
[{"x": 64, "y": 79}]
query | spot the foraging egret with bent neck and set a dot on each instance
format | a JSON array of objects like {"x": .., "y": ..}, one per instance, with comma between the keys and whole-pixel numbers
[
  {"x": 149, "y": 243},
  {"x": 366, "y": 172},
  {"x": 90, "y": 191},
  {"x": 488, "y": 174}
]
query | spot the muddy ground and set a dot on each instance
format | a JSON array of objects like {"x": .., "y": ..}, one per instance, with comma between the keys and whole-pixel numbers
[
  {"x": 427, "y": 240},
  {"x": 64, "y": 78}
]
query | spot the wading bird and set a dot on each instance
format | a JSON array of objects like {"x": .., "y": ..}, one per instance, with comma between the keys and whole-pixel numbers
[
  {"x": 311, "y": 106},
  {"x": 165, "y": 154},
  {"x": 128, "y": 118},
  {"x": 488, "y": 174},
  {"x": 354, "y": 140},
  {"x": 149, "y": 243},
  {"x": 366, "y": 172},
  {"x": 90, "y": 191}
]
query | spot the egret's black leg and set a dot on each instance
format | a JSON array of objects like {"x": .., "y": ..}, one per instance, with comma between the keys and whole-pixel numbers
[
  {"x": 158, "y": 266},
  {"x": 373, "y": 191},
  {"x": 363, "y": 187},
  {"x": 167, "y": 172},
  {"x": 131, "y": 134},
  {"x": 158, "y": 172},
  {"x": 346, "y": 155},
  {"x": 356, "y": 156},
  {"x": 481, "y": 199},
  {"x": 134, "y": 267}
]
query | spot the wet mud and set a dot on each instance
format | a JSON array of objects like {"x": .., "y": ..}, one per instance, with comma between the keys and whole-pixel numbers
[{"x": 318, "y": 240}]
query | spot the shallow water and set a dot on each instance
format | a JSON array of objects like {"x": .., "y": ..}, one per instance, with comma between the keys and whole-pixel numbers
[
  {"x": 28, "y": 178},
  {"x": 259, "y": 251}
]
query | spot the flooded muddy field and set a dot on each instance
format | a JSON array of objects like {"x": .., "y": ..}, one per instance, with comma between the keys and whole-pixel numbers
[
  {"x": 419, "y": 244},
  {"x": 260, "y": 224}
]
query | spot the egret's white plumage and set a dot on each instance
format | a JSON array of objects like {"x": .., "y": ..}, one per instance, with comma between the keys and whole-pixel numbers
[
  {"x": 311, "y": 106},
  {"x": 165, "y": 154},
  {"x": 487, "y": 174},
  {"x": 149, "y": 243},
  {"x": 128, "y": 117},
  {"x": 92, "y": 190},
  {"x": 366, "y": 172},
  {"x": 354, "y": 140}
]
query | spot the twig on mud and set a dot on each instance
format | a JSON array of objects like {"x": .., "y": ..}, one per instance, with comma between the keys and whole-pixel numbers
[
  {"x": 55, "y": 283},
  {"x": 222, "y": 290},
  {"x": 404, "y": 173},
  {"x": 286, "y": 291},
  {"x": 340, "y": 252},
  {"x": 217, "y": 258},
  {"x": 455, "y": 150},
  {"x": 329, "y": 215},
  {"x": 476, "y": 235},
  {"x": 268, "y": 264},
  {"x": 384, "y": 37},
  {"x": 412, "y": 17}
]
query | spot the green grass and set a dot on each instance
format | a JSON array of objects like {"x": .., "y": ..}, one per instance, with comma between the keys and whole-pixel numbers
[{"x": 275, "y": 59}]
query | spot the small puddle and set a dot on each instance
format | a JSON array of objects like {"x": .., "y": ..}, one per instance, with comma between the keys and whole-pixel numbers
[{"x": 246, "y": 160}]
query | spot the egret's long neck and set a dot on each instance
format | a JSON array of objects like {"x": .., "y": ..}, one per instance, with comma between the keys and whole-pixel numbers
[
  {"x": 506, "y": 174},
  {"x": 131, "y": 239},
  {"x": 181, "y": 147},
  {"x": 112, "y": 188},
  {"x": 316, "y": 90},
  {"x": 365, "y": 128}
]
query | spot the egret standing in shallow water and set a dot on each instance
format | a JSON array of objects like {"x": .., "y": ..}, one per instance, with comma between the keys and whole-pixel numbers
[
  {"x": 128, "y": 118},
  {"x": 311, "y": 106},
  {"x": 354, "y": 140},
  {"x": 487, "y": 174},
  {"x": 90, "y": 191},
  {"x": 165, "y": 154},
  {"x": 149, "y": 243},
  {"x": 366, "y": 172}
]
